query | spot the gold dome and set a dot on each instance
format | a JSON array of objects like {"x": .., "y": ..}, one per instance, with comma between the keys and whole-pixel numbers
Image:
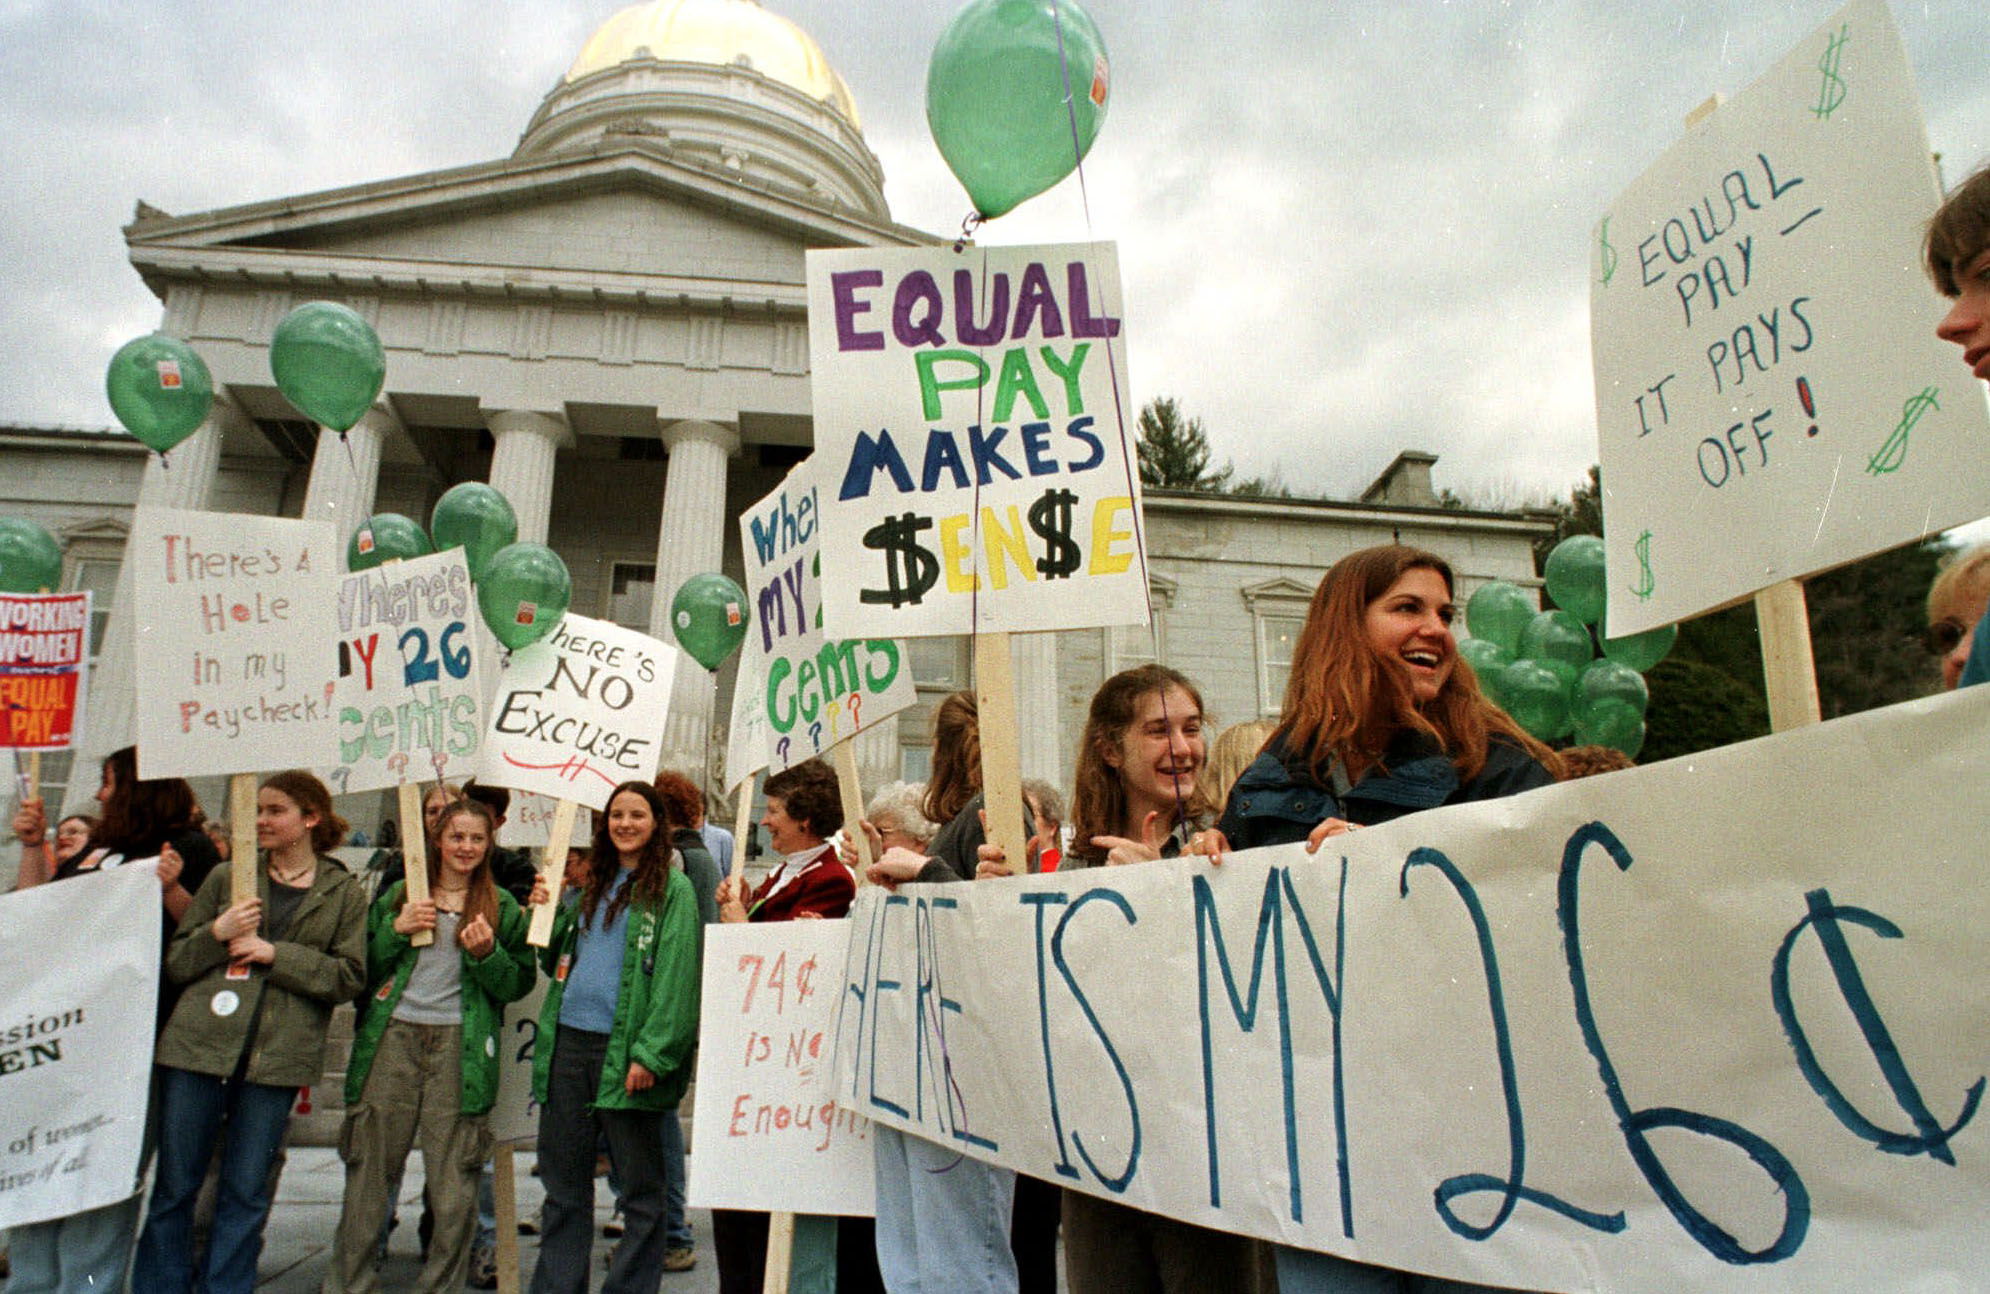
[{"x": 722, "y": 33}]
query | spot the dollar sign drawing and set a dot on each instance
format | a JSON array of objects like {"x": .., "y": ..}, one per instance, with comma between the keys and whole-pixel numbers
[
  {"x": 804, "y": 980},
  {"x": 1893, "y": 453},
  {"x": 1831, "y": 90},
  {"x": 1050, "y": 518},
  {"x": 909, "y": 568},
  {"x": 1609, "y": 253},
  {"x": 1646, "y": 582}
]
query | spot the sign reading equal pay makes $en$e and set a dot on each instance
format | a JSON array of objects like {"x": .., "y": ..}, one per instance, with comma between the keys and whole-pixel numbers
[
  {"x": 971, "y": 446},
  {"x": 237, "y": 643},
  {"x": 800, "y": 692},
  {"x": 1771, "y": 399}
]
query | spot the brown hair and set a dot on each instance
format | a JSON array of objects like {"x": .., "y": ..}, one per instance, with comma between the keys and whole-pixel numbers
[
  {"x": 1959, "y": 231},
  {"x": 684, "y": 799},
  {"x": 956, "y": 773},
  {"x": 1588, "y": 761},
  {"x": 310, "y": 795},
  {"x": 652, "y": 870},
  {"x": 1342, "y": 700},
  {"x": 480, "y": 898},
  {"x": 1098, "y": 799},
  {"x": 141, "y": 815},
  {"x": 812, "y": 796}
]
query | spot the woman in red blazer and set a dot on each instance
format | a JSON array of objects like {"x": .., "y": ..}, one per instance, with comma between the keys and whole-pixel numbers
[{"x": 804, "y": 808}]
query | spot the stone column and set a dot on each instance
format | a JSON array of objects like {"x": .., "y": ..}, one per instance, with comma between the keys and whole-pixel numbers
[
  {"x": 522, "y": 464},
  {"x": 346, "y": 476},
  {"x": 184, "y": 479},
  {"x": 690, "y": 542},
  {"x": 1038, "y": 701}
]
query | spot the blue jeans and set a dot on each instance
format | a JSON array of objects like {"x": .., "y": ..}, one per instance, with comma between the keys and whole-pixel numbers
[
  {"x": 1302, "y": 1271},
  {"x": 84, "y": 1253},
  {"x": 191, "y": 1110},
  {"x": 943, "y": 1219},
  {"x": 676, "y": 1226}
]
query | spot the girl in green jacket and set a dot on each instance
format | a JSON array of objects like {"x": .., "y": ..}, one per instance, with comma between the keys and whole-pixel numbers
[
  {"x": 613, "y": 1054},
  {"x": 425, "y": 1051}
]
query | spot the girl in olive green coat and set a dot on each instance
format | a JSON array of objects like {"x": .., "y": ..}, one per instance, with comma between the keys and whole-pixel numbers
[{"x": 425, "y": 1051}]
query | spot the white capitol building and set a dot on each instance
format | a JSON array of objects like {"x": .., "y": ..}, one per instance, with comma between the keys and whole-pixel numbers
[{"x": 610, "y": 326}]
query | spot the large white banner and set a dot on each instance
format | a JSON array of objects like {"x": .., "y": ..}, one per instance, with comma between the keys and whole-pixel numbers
[
  {"x": 236, "y": 644},
  {"x": 1716, "y": 1023},
  {"x": 408, "y": 693},
  {"x": 1771, "y": 399},
  {"x": 799, "y": 692},
  {"x": 973, "y": 440},
  {"x": 579, "y": 713},
  {"x": 768, "y": 1134},
  {"x": 79, "y": 983}
]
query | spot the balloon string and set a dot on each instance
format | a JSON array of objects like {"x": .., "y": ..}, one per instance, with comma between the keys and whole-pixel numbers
[
  {"x": 1071, "y": 113},
  {"x": 973, "y": 222},
  {"x": 165, "y": 463}
]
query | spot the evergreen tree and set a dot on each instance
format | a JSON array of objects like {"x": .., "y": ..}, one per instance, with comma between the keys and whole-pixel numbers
[{"x": 1174, "y": 451}]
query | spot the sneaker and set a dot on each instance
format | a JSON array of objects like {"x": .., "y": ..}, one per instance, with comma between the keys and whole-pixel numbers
[
  {"x": 612, "y": 1228},
  {"x": 483, "y": 1269},
  {"x": 680, "y": 1259}
]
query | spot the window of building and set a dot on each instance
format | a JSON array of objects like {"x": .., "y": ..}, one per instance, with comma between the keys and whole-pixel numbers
[
  {"x": 1278, "y": 613},
  {"x": 940, "y": 664},
  {"x": 1127, "y": 646},
  {"x": 631, "y": 591}
]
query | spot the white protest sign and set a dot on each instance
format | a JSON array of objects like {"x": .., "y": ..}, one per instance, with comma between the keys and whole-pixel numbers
[
  {"x": 580, "y": 712},
  {"x": 76, "y": 1045},
  {"x": 1771, "y": 399},
  {"x": 528, "y": 823},
  {"x": 236, "y": 644},
  {"x": 407, "y": 695},
  {"x": 515, "y": 1115},
  {"x": 1660, "y": 1030},
  {"x": 44, "y": 663},
  {"x": 768, "y": 1133},
  {"x": 975, "y": 465},
  {"x": 799, "y": 693}
]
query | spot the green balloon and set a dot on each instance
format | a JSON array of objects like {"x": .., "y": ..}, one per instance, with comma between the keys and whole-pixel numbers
[
  {"x": 1557, "y": 636},
  {"x": 160, "y": 389},
  {"x": 1575, "y": 577},
  {"x": 1499, "y": 612},
  {"x": 996, "y": 98},
  {"x": 385, "y": 537},
  {"x": 523, "y": 593},
  {"x": 1611, "y": 723},
  {"x": 1642, "y": 651},
  {"x": 474, "y": 517},
  {"x": 708, "y": 615},
  {"x": 1613, "y": 681},
  {"x": 30, "y": 559},
  {"x": 1537, "y": 697},
  {"x": 1484, "y": 657},
  {"x": 328, "y": 362}
]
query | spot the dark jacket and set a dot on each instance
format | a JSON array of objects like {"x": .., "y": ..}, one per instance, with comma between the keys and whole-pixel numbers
[
  {"x": 1279, "y": 800},
  {"x": 954, "y": 853},
  {"x": 320, "y": 962},
  {"x": 701, "y": 869}
]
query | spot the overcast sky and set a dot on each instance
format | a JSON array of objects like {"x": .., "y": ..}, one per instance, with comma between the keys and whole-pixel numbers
[{"x": 1346, "y": 229}]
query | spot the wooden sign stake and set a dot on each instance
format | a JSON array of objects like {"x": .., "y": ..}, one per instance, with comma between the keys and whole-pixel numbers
[
  {"x": 553, "y": 867},
  {"x": 742, "y": 822},
  {"x": 504, "y": 1203},
  {"x": 780, "y": 1253},
  {"x": 414, "y": 853},
  {"x": 853, "y": 804},
  {"x": 242, "y": 833},
  {"x": 1001, "y": 749},
  {"x": 1782, "y": 619}
]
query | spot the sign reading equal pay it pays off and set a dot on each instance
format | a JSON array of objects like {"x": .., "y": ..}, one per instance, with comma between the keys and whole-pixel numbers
[{"x": 971, "y": 453}]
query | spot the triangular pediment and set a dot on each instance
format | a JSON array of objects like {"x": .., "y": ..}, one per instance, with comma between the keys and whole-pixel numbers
[{"x": 630, "y": 211}]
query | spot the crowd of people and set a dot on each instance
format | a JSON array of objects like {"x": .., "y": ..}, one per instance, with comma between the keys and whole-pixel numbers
[{"x": 1381, "y": 719}]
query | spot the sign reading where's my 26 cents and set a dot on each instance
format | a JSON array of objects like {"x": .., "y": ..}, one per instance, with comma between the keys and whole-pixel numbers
[
  {"x": 1771, "y": 400},
  {"x": 968, "y": 427}
]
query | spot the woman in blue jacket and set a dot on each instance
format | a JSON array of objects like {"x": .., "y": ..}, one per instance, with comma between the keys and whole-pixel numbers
[
  {"x": 613, "y": 1057},
  {"x": 1381, "y": 720}
]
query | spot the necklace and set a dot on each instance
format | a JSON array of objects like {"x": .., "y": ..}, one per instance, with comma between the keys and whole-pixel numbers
[
  {"x": 449, "y": 900},
  {"x": 294, "y": 878}
]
